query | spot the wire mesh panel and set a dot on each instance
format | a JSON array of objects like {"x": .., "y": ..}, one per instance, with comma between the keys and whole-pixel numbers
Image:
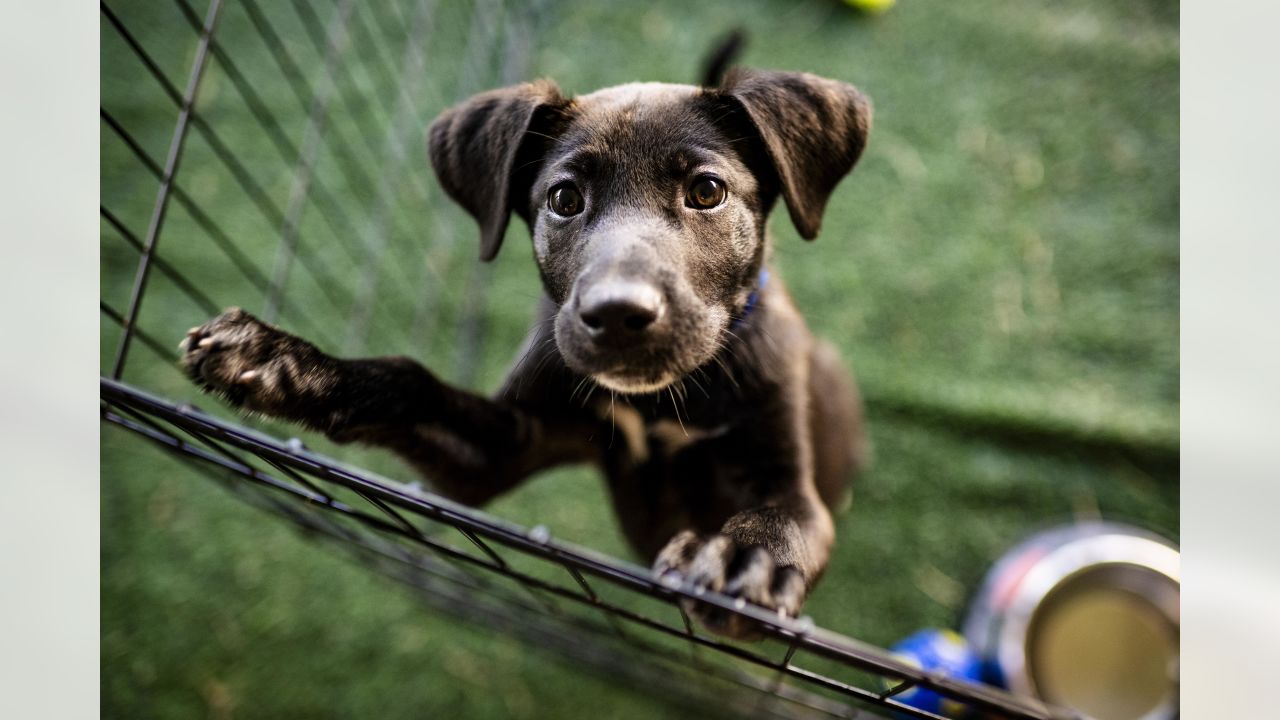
[
  {"x": 587, "y": 605},
  {"x": 316, "y": 122},
  {"x": 312, "y": 116}
]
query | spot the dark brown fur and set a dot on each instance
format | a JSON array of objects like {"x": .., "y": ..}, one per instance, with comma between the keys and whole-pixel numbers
[{"x": 726, "y": 440}]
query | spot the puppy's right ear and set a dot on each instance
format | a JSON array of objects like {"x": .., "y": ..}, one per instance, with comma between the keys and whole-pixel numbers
[{"x": 485, "y": 151}]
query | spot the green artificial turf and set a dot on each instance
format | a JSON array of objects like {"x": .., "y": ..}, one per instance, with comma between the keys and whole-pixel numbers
[{"x": 1001, "y": 269}]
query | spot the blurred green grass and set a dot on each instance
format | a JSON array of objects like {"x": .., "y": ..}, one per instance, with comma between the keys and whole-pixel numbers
[{"x": 1001, "y": 269}]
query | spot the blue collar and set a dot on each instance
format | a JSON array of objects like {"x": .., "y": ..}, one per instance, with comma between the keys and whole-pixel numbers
[{"x": 752, "y": 300}]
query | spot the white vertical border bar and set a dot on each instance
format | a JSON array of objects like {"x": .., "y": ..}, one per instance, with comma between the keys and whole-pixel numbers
[
  {"x": 1230, "y": 134},
  {"x": 48, "y": 360}
]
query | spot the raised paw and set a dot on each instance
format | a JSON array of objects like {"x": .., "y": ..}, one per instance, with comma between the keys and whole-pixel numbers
[
  {"x": 255, "y": 365},
  {"x": 721, "y": 564}
]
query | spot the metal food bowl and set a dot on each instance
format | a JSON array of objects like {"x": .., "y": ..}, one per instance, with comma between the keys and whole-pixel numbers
[{"x": 1085, "y": 617}]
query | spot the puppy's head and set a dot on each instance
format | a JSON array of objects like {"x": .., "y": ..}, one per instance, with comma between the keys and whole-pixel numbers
[{"x": 647, "y": 202}]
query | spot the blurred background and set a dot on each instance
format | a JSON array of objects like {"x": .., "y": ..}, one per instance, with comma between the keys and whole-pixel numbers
[{"x": 1001, "y": 270}]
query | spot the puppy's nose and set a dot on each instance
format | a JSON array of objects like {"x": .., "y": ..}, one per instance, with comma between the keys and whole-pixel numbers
[{"x": 620, "y": 310}]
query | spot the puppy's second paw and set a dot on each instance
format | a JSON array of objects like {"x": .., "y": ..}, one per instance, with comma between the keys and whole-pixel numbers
[
  {"x": 720, "y": 564},
  {"x": 254, "y": 365}
]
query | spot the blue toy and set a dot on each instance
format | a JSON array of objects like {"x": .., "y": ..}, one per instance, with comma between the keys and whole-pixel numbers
[{"x": 942, "y": 651}]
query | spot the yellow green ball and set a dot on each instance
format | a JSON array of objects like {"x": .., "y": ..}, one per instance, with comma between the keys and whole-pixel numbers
[{"x": 870, "y": 6}]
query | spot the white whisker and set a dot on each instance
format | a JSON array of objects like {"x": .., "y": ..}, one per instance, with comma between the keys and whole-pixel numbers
[{"x": 676, "y": 408}]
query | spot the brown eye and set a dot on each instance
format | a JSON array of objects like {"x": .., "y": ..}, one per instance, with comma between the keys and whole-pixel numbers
[
  {"x": 705, "y": 193},
  {"x": 565, "y": 200}
]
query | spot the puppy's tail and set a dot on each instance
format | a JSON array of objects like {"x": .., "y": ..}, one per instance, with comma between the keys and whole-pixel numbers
[{"x": 722, "y": 56}]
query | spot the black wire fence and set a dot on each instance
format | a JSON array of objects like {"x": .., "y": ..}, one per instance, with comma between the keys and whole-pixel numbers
[{"x": 313, "y": 114}]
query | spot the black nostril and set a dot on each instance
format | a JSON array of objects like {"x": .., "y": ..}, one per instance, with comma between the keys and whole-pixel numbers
[
  {"x": 592, "y": 320},
  {"x": 616, "y": 316},
  {"x": 640, "y": 320},
  {"x": 618, "y": 311}
]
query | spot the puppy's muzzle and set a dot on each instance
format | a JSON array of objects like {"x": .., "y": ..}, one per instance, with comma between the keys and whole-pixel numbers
[{"x": 616, "y": 314}]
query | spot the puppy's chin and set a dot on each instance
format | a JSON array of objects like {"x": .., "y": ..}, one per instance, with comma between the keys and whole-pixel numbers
[
  {"x": 637, "y": 377},
  {"x": 634, "y": 386},
  {"x": 635, "y": 373}
]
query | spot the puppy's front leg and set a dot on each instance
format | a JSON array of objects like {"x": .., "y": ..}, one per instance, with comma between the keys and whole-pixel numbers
[
  {"x": 764, "y": 535},
  {"x": 471, "y": 448}
]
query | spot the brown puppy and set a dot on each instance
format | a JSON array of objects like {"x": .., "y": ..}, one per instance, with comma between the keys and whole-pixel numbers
[{"x": 728, "y": 433}]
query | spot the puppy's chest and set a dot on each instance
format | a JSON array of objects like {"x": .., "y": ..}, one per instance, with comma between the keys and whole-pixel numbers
[
  {"x": 650, "y": 430},
  {"x": 670, "y": 436}
]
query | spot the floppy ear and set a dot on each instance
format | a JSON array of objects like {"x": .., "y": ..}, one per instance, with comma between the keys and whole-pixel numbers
[
  {"x": 475, "y": 147},
  {"x": 813, "y": 130}
]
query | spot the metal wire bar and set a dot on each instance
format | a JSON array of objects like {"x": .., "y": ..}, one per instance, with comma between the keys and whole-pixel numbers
[
  {"x": 595, "y": 599},
  {"x": 306, "y": 491},
  {"x": 130, "y": 142},
  {"x": 300, "y": 479},
  {"x": 486, "y": 529},
  {"x": 435, "y": 566},
  {"x": 151, "y": 430},
  {"x": 166, "y": 183},
  {"x": 180, "y": 280},
  {"x": 150, "y": 64},
  {"x": 243, "y": 463},
  {"x": 156, "y": 346}
]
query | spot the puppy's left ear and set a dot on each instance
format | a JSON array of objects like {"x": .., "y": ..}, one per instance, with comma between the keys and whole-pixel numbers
[
  {"x": 485, "y": 150},
  {"x": 813, "y": 130}
]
